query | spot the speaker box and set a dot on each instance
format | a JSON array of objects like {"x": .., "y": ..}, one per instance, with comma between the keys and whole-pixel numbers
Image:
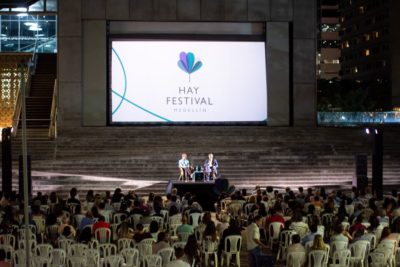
[
  {"x": 21, "y": 177},
  {"x": 360, "y": 179}
]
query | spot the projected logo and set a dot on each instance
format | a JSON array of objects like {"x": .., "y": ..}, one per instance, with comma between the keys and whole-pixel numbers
[{"x": 187, "y": 63}]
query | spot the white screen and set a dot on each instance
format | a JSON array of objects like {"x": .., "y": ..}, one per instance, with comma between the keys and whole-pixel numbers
[{"x": 188, "y": 81}]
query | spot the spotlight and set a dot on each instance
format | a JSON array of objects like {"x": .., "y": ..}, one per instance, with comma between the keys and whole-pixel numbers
[
  {"x": 367, "y": 130},
  {"x": 376, "y": 131}
]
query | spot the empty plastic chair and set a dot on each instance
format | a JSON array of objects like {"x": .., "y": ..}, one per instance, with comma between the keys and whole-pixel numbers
[
  {"x": 131, "y": 257},
  {"x": 77, "y": 250},
  {"x": 76, "y": 262},
  {"x": 107, "y": 250},
  {"x": 113, "y": 261},
  {"x": 167, "y": 255},
  {"x": 317, "y": 258},
  {"x": 92, "y": 257},
  {"x": 125, "y": 243},
  {"x": 58, "y": 257},
  {"x": 152, "y": 260},
  {"x": 341, "y": 258},
  {"x": 233, "y": 245}
]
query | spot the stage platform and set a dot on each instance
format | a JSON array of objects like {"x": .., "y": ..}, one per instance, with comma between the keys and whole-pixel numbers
[{"x": 204, "y": 191}]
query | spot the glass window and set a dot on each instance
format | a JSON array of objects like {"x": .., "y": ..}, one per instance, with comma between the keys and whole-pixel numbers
[
  {"x": 19, "y": 33},
  {"x": 38, "y": 6},
  {"x": 51, "y": 5}
]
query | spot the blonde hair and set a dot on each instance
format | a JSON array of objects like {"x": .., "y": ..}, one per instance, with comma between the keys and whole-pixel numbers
[{"x": 318, "y": 243}]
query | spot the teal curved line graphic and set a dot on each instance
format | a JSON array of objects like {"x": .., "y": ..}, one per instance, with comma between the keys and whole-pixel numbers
[
  {"x": 123, "y": 98},
  {"x": 125, "y": 82},
  {"x": 136, "y": 105}
]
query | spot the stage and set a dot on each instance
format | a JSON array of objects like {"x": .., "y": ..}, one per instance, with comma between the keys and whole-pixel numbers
[{"x": 204, "y": 192}]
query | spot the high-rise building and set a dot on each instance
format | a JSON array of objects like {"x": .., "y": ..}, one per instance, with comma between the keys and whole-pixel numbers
[
  {"x": 329, "y": 39},
  {"x": 365, "y": 40}
]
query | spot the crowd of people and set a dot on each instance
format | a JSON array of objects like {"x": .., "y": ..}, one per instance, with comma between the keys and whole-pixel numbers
[{"x": 314, "y": 218}]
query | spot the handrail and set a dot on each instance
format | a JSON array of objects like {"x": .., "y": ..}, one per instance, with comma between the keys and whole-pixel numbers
[
  {"x": 31, "y": 68},
  {"x": 53, "y": 114}
]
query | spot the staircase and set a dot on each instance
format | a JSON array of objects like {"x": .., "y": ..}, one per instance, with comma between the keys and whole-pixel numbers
[
  {"x": 248, "y": 156},
  {"x": 38, "y": 102}
]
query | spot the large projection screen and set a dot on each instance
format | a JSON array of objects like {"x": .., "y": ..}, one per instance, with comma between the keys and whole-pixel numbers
[{"x": 187, "y": 81}]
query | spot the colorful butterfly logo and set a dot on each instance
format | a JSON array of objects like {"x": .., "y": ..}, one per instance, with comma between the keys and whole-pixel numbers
[{"x": 187, "y": 63}]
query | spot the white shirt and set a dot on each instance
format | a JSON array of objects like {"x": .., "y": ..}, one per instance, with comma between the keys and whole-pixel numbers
[
  {"x": 177, "y": 263},
  {"x": 252, "y": 232},
  {"x": 183, "y": 163}
]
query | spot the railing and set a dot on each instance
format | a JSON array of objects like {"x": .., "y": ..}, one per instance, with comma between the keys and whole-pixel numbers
[
  {"x": 352, "y": 119},
  {"x": 53, "y": 114},
  {"x": 30, "y": 70}
]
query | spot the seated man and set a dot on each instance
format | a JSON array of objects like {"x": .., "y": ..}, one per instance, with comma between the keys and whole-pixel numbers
[
  {"x": 210, "y": 168},
  {"x": 296, "y": 246},
  {"x": 310, "y": 236},
  {"x": 178, "y": 262},
  {"x": 141, "y": 234},
  {"x": 255, "y": 246},
  {"x": 184, "y": 227}
]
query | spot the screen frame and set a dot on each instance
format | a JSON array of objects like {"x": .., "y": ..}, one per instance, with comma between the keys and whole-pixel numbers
[{"x": 180, "y": 37}]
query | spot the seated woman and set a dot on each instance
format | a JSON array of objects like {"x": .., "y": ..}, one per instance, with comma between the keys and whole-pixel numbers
[
  {"x": 318, "y": 243},
  {"x": 184, "y": 168}
]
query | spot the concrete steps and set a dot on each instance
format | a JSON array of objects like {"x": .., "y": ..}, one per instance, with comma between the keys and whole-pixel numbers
[{"x": 248, "y": 156}]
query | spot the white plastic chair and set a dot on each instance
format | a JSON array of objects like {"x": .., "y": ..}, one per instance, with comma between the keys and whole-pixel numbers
[
  {"x": 58, "y": 257},
  {"x": 52, "y": 232},
  {"x": 113, "y": 261},
  {"x": 209, "y": 248},
  {"x": 39, "y": 261},
  {"x": 107, "y": 250},
  {"x": 317, "y": 258},
  {"x": 274, "y": 230},
  {"x": 234, "y": 242},
  {"x": 195, "y": 218},
  {"x": 183, "y": 237},
  {"x": 378, "y": 259},
  {"x": 7, "y": 239},
  {"x": 40, "y": 225},
  {"x": 92, "y": 257},
  {"x": 103, "y": 235},
  {"x": 285, "y": 239},
  {"x": 76, "y": 250},
  {"x": 338, "y": 245},
  {"x": 76, "y": 262},
  {"x": 131, "y": 256},
  {"x": 144, "y": 249},
  {"x": 300, "y": 230},
  {"x": 32, "y": 244},
  {"x": 19, "y": 258},
  {"x": 117, "y": 217},
  {"x": 167, "y": 255},
  {"x": 125, "y": 243},
  {"x": 359, "y": 251},
  {"x": 134, "y": 219},
  {"x": 372, "y": 240},
  {"x": 152, "y": 260},
  {"x": 65, "y": 244},
  {"x": 341, "y": 258},
  {"x": 9, "y": 250},
  {"x": 148, "y": 241},
  {"x": 179, "y": 244},
  {"x": 43, "y": 250},
  {"x": 296, "y": 259}
]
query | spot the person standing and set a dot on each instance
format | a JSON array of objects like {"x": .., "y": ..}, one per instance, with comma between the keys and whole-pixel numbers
[
  {"x": 184, "y": 168},
  {"x": 210, "y": 168}
]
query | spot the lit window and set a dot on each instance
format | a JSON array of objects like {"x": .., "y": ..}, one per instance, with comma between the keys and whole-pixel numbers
[
  {"x": 346, "y": 44},
  {"x": 367, "y": 37},
  {"x": 375, "y": 34},
  {"x": 355, "y": 70},
  {"x": 366, "y": 52},
  {"x": 361, "y": 9}
]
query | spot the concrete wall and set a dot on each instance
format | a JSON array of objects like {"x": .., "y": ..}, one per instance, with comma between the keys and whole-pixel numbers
[{"x": 82, "y": 50}]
